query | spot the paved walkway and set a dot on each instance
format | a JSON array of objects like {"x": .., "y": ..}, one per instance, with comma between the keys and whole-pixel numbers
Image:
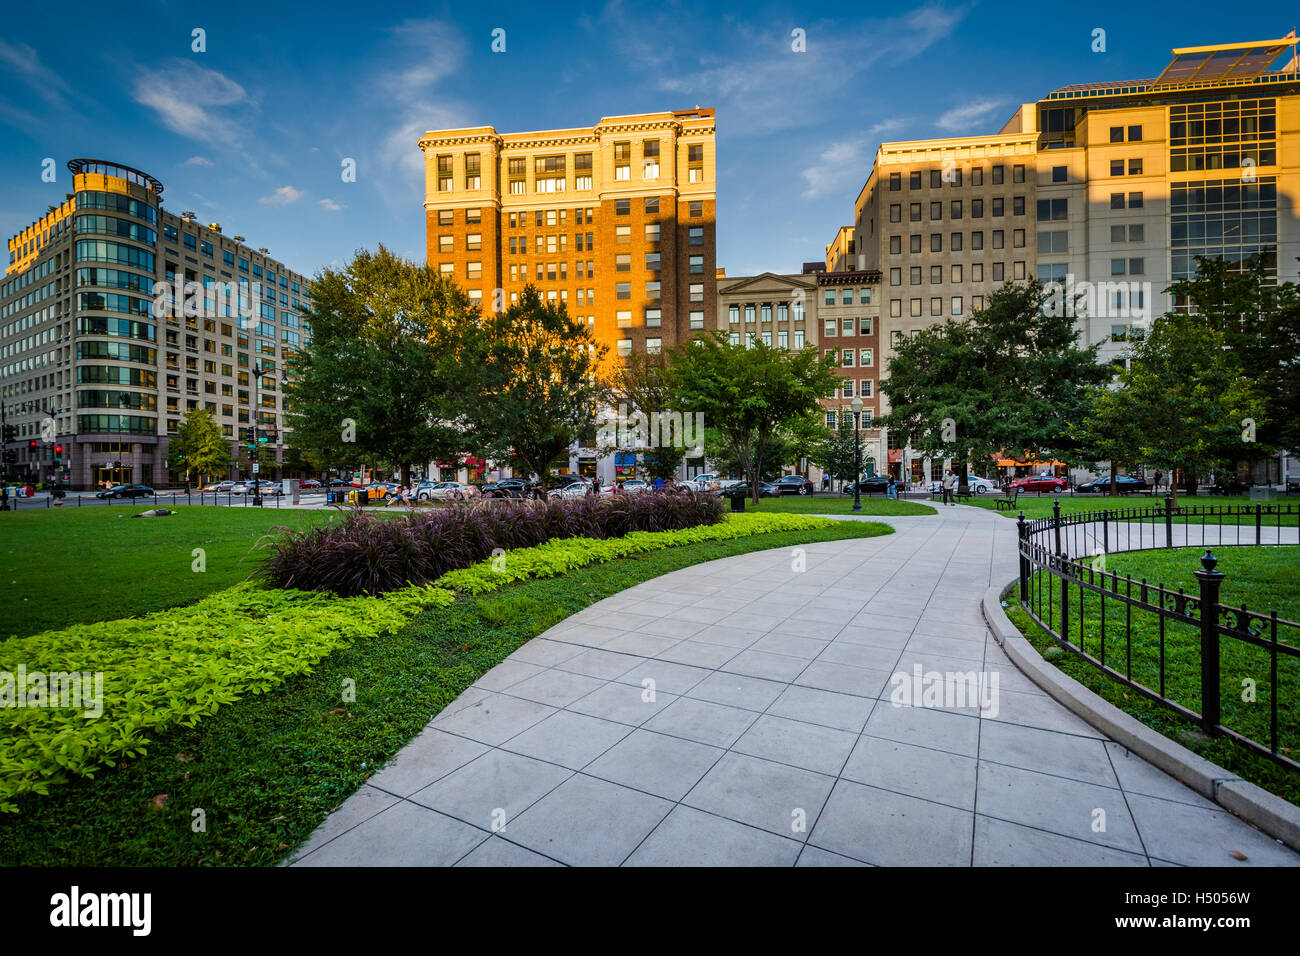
[{"x": 739, "y": 712}]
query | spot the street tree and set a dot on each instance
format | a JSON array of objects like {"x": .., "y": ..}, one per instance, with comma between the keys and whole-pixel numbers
[
  {"x": 382, "y": 377},
  {"x": 1006, "y": 380},
  {"x": 539, "y": 381},
  {"x": 747, "y": 394},
  {"x": 198, "y": 447}
]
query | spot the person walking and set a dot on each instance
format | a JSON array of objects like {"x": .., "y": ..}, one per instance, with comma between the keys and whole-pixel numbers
[
  {"x": 949, "y": 483},
  {"x": 1158, "y": 477},
  {"x": 891, "y": 489}
]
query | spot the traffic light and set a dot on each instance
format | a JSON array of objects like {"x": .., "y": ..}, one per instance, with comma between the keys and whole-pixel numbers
[
  {"x": 251, "y": 432},
  {"x": 11, "y": 433},
  {"x": 32, "y": 444},
  {"x": 58, "y": 454}
]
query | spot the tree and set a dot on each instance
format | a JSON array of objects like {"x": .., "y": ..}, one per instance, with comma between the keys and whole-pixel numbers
[
  {"x": 1183, "y": 397},
  {"x": 640, "y": 394},
  {"x": 1006, "y": 380},
  {"x": 748, "y": 393},
  {"x": 383, "y": 377},
  {"x": 537, "y": 384},
  {"x": 841, "y": 452},
  {"x": 198, "y": 446},
  {"x": 1107, "y": 433},
  {"x": 1259, "y": 320}
]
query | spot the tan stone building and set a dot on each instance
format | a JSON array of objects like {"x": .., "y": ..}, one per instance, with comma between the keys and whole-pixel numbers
[
  {"x": 1107, "y": 190},
  {"x": 615, "y": 221},
  {"x": 84, "y": 352}
]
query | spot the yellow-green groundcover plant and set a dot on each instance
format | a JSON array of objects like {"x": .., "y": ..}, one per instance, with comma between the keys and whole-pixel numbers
[{"x": 140, "y": 676}]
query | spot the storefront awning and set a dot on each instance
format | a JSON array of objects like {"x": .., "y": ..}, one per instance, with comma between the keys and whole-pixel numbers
[{"x": 1012, "y": 463}]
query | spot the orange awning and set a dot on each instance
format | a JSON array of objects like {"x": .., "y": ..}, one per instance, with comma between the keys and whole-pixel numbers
[{"x": 1012, "y": 463}]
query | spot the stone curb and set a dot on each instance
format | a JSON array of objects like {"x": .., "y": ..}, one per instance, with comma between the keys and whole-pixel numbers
[{"x": 1270, "y": 813}]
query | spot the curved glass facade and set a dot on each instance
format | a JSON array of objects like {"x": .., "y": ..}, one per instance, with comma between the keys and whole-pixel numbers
[
  {"x": 122, "y": 328},
  {"x": 115, "y": 279},
  {"x": 112, "y": 226},
  {"x": 119, "y": 424},
  {"x": 117, "y": 375},
  {"x": 116, "y": 202},
  {"x": 101, "y": 250},
  {"x": 121, "y": 351},
  {"x": 113, "y": 302},
  {"x": 106, "y": 398}
]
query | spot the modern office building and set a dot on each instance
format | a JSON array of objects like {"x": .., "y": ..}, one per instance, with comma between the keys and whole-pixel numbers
[
  {"x": 95, "y": 375},
  {"x": 1109, "y": 189},
  {"x": 615, "y": 221}
]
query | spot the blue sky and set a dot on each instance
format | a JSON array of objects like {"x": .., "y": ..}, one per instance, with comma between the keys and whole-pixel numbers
[{"x": 251, "y": 133}]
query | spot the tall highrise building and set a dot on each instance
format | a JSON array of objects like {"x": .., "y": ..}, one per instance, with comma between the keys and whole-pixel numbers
[
  {"x": 615, "y": 221},
  {"x": 92, "y": 380}
]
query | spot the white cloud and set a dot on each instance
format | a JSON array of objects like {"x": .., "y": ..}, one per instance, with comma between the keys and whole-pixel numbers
[
  {"x": 198, "y": 161},
  {"x": 962, "y": 119},
  {"x": 331, "y": 205},
  {"x": 192, "y": 100},
  {"x": 755, "y": 79},
  {"x": 844, "y": 164},
  {"x": 281, "y": 197}
]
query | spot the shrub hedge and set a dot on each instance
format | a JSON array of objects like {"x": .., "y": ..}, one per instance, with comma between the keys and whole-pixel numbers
[{"x": 369, "y": 555}]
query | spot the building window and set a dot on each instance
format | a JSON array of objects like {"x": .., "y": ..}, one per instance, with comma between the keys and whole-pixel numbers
[
  {"x": 623, "y": 290},
  {"x": 653, "y": 317},
  {"x": 623, "y": 263},
  {"x": 895, "y": 182},
  {"x": 896, "y": 212},
  {"x": 695, "y": 209},
  {"x": 652, "y": 261},
  {"x": 474, "y": 242},
  {"x": 623, "y": 319},
  {"x": 1134, "y": 200},
  {"x": 1058, "y": 174},
  {"x": 624, "y": 347},
  {"x": 696, "y": 317},
  {"x": 697, "y": 292},
  {"x": 696, "y": 236}
]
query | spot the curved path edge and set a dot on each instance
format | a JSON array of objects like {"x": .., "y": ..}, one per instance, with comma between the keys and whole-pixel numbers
[{"x": 1278, "y": 818}]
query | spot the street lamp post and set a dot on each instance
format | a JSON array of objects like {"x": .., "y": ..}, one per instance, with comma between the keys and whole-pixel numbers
[{"x": 857, "y": 455}]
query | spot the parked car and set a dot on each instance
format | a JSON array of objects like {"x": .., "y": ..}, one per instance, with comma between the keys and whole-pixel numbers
[
  {"x": 382, "y": 490},
  {"x": 126, "y": 491},
  {"x": 441, "y": 491},
  {"x": 871, "y": 485},
  {"x": 575, "y": 488},
  {"x": 241, "y": 487},
  {"x": 702, "y": 482},
  {"x": 268, "y": 487},
  {"x": 510, "y": 488},
  {"x": 220, "y": 487},
  {"x": 339, "y": 483},
  {"x": 768, "y": 489},
  {"x": 308, "y": 484},
  {"x": 793, "y": 485},
  {"x": 1124, "y": 485},
  {"x": 1040, "y": 483},
  {"x": 635, "y": 486},
  {"x": 977, "y": 485}
]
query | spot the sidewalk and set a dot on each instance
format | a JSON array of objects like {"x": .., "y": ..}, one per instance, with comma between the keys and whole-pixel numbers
[{"x": 739, "y": 713}]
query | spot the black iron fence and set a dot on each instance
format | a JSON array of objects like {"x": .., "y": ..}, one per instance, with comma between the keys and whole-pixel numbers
[
  {"x": 160, "y": 499},
  {"x": 1233, "y": 670}
]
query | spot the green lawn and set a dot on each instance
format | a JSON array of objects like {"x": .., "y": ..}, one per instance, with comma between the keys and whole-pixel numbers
[
  {"x": 267, "y": 769},
  {"x": 837, "y": 505},
  {"x": 71, "y": 566},
  {"x": 1040, "y": 506},
  {"x": 1263, "y": 578}
]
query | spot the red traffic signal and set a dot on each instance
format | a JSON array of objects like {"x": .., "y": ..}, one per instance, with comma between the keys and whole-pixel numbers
[
  {"x": 31, "y": 444},
  {"x": 58, "y": 449}
]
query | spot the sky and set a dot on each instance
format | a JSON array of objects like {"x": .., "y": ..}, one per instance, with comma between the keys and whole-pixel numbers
[{"x": 253, "y": 129}]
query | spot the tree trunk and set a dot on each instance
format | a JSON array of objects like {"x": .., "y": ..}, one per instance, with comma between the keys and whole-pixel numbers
[{"x": 1113, "y": 472}]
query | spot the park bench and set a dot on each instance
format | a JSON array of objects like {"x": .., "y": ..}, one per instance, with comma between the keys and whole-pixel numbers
[{"x": 1008, "y": 500}]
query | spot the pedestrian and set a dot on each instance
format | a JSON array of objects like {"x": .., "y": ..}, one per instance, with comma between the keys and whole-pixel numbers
[
  {"x": 659, "y": 484},
  {"x": 1159, "y": 475},
  {"x": 891, "y": 489},
  {"x": 949, "y": 483},
  {"x": 826, "y": 481}
]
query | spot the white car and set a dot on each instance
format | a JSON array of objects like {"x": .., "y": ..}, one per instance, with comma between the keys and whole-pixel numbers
[
  {"x": 443, "y": 491},
  {"x": 701, "y": 482},
  {"x": 574, "y": 489},
  {"x": 634, "y": 485},
  {"x": 978, "y": 486}
]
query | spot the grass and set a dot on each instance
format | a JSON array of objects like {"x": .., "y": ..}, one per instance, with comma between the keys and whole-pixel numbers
[
  {"x": 266, "y": 770},
  {"x": 1261, "y": 578},
  {"x": 1040, "y": 506},
  {"x": 62, "y": 567},
  {"x": 838, "y": 505}
]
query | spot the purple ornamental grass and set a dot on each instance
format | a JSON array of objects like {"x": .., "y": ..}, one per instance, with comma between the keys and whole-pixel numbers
[{"x": 367, "y": 554}]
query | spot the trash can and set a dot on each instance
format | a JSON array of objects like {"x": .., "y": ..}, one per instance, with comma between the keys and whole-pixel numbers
[{"x": 737, "y": 495}]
